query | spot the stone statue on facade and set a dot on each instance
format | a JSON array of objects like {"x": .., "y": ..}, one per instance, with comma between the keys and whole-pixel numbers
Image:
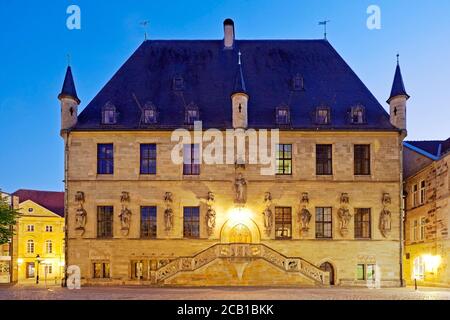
[
  {"x": 210, "y": 214},
  {"x": 168, "y": 213},
  {"x": 344, "y": 214},
  {"x": 304, "y": 216},
  {"x": 125, "y": 214},
  {"x": 385, "y": 216},
  {"x": 268, "y": 215},
  {"x": 81, "y": 214},
  {"x": 240, "y": 188}
]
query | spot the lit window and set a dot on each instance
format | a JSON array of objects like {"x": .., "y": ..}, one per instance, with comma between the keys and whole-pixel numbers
[
  {"x": 370, "y": 272},
  {"x": 284, "y": 159},
  {"x": 30, "y": 246},
  {"x": 48, "y": 246},
  {"x": 422, "y": 192},
  {"x": 149, "y": 114},
  {"x": 283, "y": 223},
  {"x": 48, "y": 228},
  {"x": 419, "y": 268},
  {"x": 101, "y": 270},
  {"x": 192, "y": 114},
  {"x": 109, "y": 115},
  {"x": 361, "y": 272},
  {"x": 283, "y": 115},
  {"x": 357, "y": 115},
  {"x": 323, "y": 115}
]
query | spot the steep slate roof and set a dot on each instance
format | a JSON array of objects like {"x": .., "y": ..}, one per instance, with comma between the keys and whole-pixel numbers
[
  {"x": 53, "y": 201},
  {"x": 209, "y": 74},
  {"x": 432, "y": 148},
  {"x": 68, "y": 89},
  {"x": 398, "y": 86}
]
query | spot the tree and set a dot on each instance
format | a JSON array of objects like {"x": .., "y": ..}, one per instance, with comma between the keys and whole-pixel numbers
[{"x": 8, "y": 218}]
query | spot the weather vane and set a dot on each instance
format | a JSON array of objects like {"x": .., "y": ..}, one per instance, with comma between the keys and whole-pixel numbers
[
  {"x": 145, "y": 24},
  {"x": 68, "y": 59},
  {"x": 324, "y": 24}
]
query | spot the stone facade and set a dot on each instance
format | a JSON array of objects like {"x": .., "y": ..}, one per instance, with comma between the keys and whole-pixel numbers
[
  {"x": 427, "y": 244},
  {"x": 268, "y": 262}
]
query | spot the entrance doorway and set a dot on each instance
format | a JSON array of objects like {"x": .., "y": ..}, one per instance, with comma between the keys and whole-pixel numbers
[
  {"x": 240, "y": 234},
  {"x": 328, "y": 267},
  {"x": 30, "y": 270}
]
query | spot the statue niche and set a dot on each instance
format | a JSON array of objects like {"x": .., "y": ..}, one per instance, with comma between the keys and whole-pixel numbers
[
  {"x": 240, "y": 186},
  {"x": 168, "y": 213},
  {"x": 304, "y": 216},
  {"x": 125, "y": 214},
  {"x": 210, "y": 214},
  {"x": 344, "y": 214},
  {"x": 81, "y": 214},
  {"x": 385, "y": 224},
  {"x": 268, "y": 215}
]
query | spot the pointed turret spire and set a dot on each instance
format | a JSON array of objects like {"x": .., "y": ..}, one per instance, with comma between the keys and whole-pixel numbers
[
  {"x": 239, "y": 84},
  {"x": 68, "y": 89},
  {"x": 398, "y": 87}
]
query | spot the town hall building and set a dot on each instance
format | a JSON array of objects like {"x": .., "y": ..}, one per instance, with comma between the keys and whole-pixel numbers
[{"x": 330, "y": 214}]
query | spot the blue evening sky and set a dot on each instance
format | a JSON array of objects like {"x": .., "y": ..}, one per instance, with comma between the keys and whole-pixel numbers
[{"x": 34, "y": 43}]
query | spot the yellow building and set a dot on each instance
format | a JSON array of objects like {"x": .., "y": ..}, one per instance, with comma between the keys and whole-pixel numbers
[
  {"x": 40, "y": 237},
  {"x": 427, "y": 185},
  {"x": 330, "y": 212}
]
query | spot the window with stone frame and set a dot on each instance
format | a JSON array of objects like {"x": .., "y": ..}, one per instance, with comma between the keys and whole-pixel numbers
[
  {"x": 422, "y": 193},
  {"x": 324, "y": 159},
  {"x": 363, "y": 223},
  {"x": 105, "y": 158},
  {"x": 284, "y": 159},
  {"x": 415, "y": 230},
  {"x": 101, "y": 270},
  {"x": 109, "y": 114},
  {"x": 324, "y": 223},
  {"x": 105, "y": 217},
  {"x": 191, "y": 222},
  {"x": 30, "y": 246},
  {"x": 283, "y": 115},
  {"x": 423, "y": 223},
  {"x": 148, "y": 222},
  {"x": 148, "y": 159},
  {"x": 323, "y": 115},
  {"x": 362, "y": 159},
  {"x": 191, "y": 160},
  {"x": 357, "y": 115},
  {"x": 361, "y": 272},
  {"x": 283, "y": 223},
  {"x": 415, "y": 196},
  {"x": 48, "y": 246}
]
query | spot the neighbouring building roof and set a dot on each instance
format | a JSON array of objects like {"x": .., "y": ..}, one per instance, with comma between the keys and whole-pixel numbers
[
  {"x": 68, "y": 89},
  {"x": 53, "y": 201},
  {"x": 209, "y": 79},
  {"x": 398, "y": 86},
  {"x": 433, "y": 149}
]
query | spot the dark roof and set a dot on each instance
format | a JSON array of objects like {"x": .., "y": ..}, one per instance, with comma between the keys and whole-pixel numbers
[
  {"x": 53, "y": 201},
  {"x": 398, "y": 86},
  {"x": 431, "y": 148},
  {"x": 209, "y": 74},
  {"x": 68, "y": 89}
]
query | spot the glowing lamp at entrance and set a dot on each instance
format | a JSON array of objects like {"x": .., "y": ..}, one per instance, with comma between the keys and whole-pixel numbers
[
  {"x": 431, "y": 262},
  {"x": 240, "y": 215}
]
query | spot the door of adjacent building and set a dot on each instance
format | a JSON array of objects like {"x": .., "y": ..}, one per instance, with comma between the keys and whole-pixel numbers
[{"x": 30, "y": 270}]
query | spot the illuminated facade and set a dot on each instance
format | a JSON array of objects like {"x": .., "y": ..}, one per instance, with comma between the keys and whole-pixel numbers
[
  {"x": 427, "y": 246},
  {"x": 136, "y": 217},
  {"x": 40, "y": 237}
]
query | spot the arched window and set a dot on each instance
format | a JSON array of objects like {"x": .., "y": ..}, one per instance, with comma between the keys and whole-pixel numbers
[
  {"x": 357, "y": 115},
  {"x": 149, "y": 114},
  {"x": 48, "y": 246},
  {"x": 109, "y": 114},
  {"x": 30, "y": 246},
  {"x": 192, "y": 114},
  {"x": 283, "y": 115}
]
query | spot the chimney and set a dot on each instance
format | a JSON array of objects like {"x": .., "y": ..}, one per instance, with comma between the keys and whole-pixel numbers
[{"x": 228, "y": 41}]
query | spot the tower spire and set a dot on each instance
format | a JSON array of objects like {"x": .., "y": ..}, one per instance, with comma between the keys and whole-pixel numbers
[
  {"x": 239, "y": 84},
  {"x": 398, "y": 86},
  {"x": 68, "y": 89}
]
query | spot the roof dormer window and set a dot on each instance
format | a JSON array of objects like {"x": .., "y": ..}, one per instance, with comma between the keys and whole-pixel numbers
[
  {"x": 109, "y": 114},
  {"x": 178, "y": 83},
  {"x": 283, "y": 116},
  {"x": 149, "y": 114},
  {"x": 323, "y": 115},
  {"x": 297, "y": 83},
  {"x": 192, "y": 114},
  {"x": 357, "y": 115}
]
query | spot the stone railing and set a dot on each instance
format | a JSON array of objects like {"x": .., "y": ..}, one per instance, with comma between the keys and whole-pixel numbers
[{"x": 239, "y": 252}]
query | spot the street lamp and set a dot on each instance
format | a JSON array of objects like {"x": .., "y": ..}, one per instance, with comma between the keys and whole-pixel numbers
[{"x": 38, "y": 260}]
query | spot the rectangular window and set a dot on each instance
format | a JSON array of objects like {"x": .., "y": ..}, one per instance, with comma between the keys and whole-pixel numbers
[
  {"x": 191, "y": 222},
  {"x": 105, "y": 159},
  {"x": 283, "y": 223},
  {"x": 362, "y": 160},
  {"x": 48, "y": 269},
  {"x": 324, "y": 161},
  {"x": 362, "y": 224},
  {"x": 148, "y": 222},
  {"x": 324, "y": 223},
  {"x": 415, "y": 195},
  {"x": 361, "y": 272},
  {"x": 101, "y": 270},
  {"x": 48, "y": 228},
  {"x": 415, "y": 230},
  {"x": 284, "y": 159},
  {"x": 370, "y": 272},
  {"x": 105, "y": 216},
  {"x": 322, "y": 115},
  {"x": 148, "y": 158},
  {"x": 423, "y": 222},
  {"x": 191, "y": 162},
  {"x": 422, "y": 192},
  {"x": 30, "y": 228}
]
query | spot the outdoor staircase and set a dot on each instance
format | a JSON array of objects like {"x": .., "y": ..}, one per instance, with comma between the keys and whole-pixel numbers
[{"x": 242, "y": 252}]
